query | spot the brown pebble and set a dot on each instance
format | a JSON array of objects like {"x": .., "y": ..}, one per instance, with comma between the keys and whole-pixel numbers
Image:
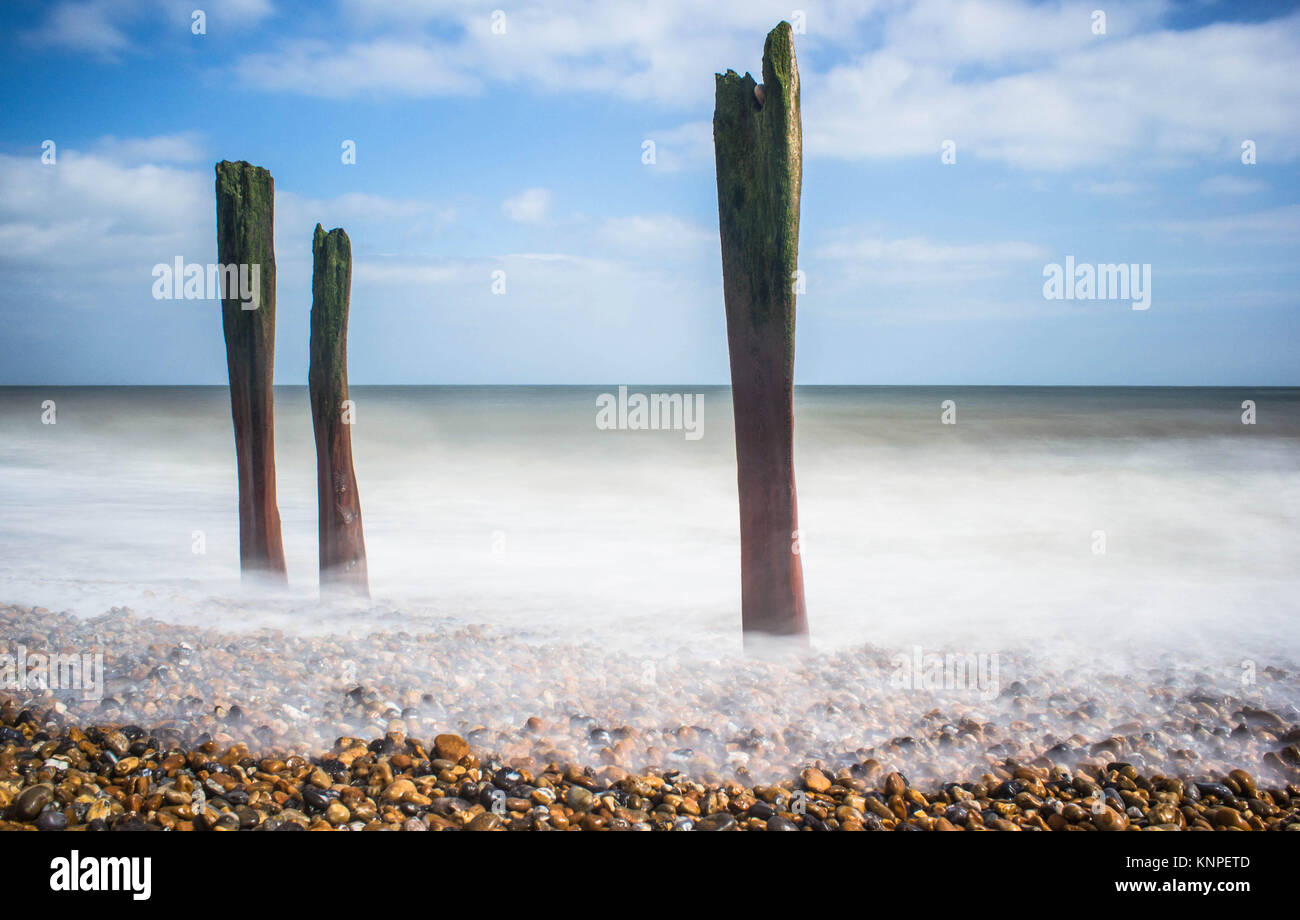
[
  {"x": 484, "y": 822},
  {"x": 1110, "y": 820},
  {"x": 815, "y": 780},
  {"x": 450, "y": 747}
]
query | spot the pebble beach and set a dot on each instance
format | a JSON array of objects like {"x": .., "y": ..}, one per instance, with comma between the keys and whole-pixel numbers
[{"x": 470, "y": 728}]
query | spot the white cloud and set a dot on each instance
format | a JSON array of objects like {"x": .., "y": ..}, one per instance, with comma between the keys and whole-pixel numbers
[
  {"x": 315, "y": 68},
  {"x": 663, "y": 54},
  {"x": 1114, "y": 188},
  {"x": 104, "y": 218},
  {"x": 1011, "y": 80},
  {"x": 1007, "y": 33},
  {"x": 83, "y": 26},
  {"x": 1155, "y": 98},
  {"x": 403, "y": 273},
  {"x": 357, "y": 208},
  {"x": 687, "y": 146},
  {"x": 89, "y": 215},
  {"x": 1231, "y": 185},
  {"x": 185, "y": 147},
  {"x": 852, "y": 258},
  {"x": 528, "y": 207},
  {"x": 103, "y": 27},
  {"x": 918, "y": 250},
  {"x": 1276, "y": 226},
  {"x": 658, "y": 235}
]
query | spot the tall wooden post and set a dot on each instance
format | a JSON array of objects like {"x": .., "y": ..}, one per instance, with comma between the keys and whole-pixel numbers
[
  {"x": 758, "y": 141},
  {"x": 342, "y": 541},
  {"x": 246, "y": 250}
]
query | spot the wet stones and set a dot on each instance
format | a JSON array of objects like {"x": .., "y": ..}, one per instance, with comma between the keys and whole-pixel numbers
[
  {"x": 51, "y": 821},
  {"x": 1217, "y": 790},
  {"x": 761, "y": 810},
  {"x": 399, "y": 790},
  {"x": 1227, "y": 817},
  {"x": 815, "y": 780},
  {"x": 716, "y": 822},
  {"x": 579, "y": 798},
  {"x": 1243, "y": 783},
  {"x": 30, "y": 802},
  {"x": 315, "y": 799},
  {"x": 447, "y": 806},
  {"x": 1108, "y": 819},
  {"x": 171, "y": 757},
  {"x": 1008, "y": 789},
  {"x": 450, "y": 747}
]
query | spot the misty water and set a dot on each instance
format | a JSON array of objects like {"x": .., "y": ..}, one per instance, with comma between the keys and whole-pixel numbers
[{"x": 1085, "y": 536}]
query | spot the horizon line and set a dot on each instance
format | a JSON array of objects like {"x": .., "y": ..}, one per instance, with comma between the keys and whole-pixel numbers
[{"x": 797, "y": 386}]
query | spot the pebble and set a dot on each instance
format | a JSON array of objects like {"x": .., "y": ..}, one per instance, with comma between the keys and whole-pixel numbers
[
  {"x": 716, "y": 822},
  {"x": 450, "y": 747},
  {"x": 51, "y": 821},
  {"x": 815, "y": 780},
  {"x": 1110, "y": 820},
  {"x": 579, "y": 798},
  {"x": 30, "y": 802}
]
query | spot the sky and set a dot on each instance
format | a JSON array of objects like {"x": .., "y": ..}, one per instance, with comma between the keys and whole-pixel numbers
[{"x": 516, "y": 138}]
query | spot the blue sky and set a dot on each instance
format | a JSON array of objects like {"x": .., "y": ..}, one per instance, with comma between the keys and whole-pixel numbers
[{"x": 522, "y": 152}]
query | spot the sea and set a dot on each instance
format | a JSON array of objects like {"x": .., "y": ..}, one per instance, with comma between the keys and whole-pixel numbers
[{"x": 1079, "y": 521}]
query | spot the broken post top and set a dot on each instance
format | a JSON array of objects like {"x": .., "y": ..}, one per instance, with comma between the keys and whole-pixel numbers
[
  {"x": 252, "y": 186},
  {"x": 331, "y": 283},
  {"x": 246, "y": 235},
  {"x": 779, "y": 67},
  {"x": 333, "y": 245},
  {"x": 331, "y": 277},
  {"x": 758, "y": 141}
]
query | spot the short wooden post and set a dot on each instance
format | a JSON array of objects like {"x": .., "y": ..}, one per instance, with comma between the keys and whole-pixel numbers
[{"x": 342, "y": 540}]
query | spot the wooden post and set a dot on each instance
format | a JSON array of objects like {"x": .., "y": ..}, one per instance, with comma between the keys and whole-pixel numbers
[
  {"x": 758, "y": 141},
  {"x": 342, "y": 541},
  {"x": 246, "y": 249}
]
